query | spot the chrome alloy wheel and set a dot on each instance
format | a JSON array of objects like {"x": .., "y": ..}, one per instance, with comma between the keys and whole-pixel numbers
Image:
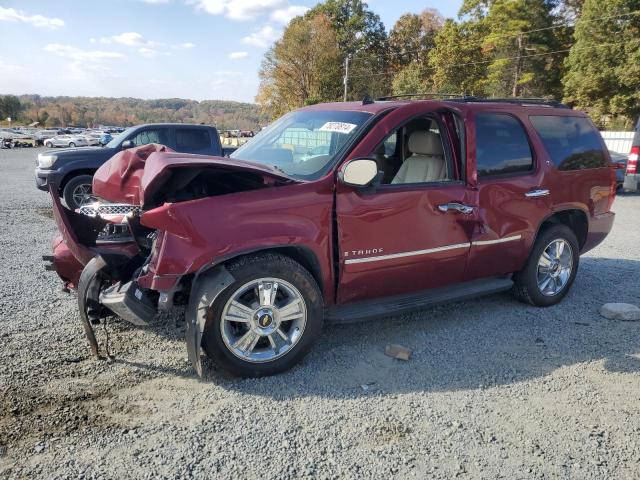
[
  {"x": 82, "y": 194},
  {"x": 554, "y": 267},
  {"x": 263, "y": 320}
]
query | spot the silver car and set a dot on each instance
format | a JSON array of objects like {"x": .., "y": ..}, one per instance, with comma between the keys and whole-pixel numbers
[{"x": 66, "y": 141}]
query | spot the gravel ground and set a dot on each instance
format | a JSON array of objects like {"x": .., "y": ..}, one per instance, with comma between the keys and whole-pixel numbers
[{"x": 495, "y": 388}]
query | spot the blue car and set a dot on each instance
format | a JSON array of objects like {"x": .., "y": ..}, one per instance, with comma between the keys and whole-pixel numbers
[{"x": 106, "y": 138}]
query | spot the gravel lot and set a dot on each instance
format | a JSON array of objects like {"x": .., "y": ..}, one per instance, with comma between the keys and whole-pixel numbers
[{"x": 495, "y": 389}]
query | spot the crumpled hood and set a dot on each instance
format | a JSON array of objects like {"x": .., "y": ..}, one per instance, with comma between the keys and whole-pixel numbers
[{"x": 134, "y": 175}]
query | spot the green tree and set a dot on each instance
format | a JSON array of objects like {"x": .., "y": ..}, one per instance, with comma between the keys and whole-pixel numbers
[
  {"x": 303, "y": 67},
  {"x": 519, "y": 64},
  {"x": 361, "y": 35},
  {"x": 414, "y": 78},
  {"x": 603, "y": 66},
  {"x": 10, "y": 106},
  {"x": 457, "y": 61}
]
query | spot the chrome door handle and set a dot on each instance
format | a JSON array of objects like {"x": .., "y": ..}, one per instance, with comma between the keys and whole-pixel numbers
[
  {"x": 540, "y": 192},
  {"x": 458, "y": 207}
]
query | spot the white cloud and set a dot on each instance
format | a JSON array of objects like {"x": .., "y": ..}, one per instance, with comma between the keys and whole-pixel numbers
[
  {"x": 77, "y": 54},
  {"x": 238, "y": 55},
  {"x": 186, "y": 45},
  {"x": 13, "y": 15},
  {"x": 285, "y": 15},
  {"x": 239, "y": 9},
  {"x": 148, "y": 52},
  {"x": 262, "y": 38},
  {"x": 130, "y": 39}
]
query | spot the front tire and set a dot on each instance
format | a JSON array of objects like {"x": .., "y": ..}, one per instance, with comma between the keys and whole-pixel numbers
[
  {"x": 77, "y": 190},
  {"x": 267, "y": 320},
  {"x": 48, "y": 144},
  {"x": 551, "y": 268}
]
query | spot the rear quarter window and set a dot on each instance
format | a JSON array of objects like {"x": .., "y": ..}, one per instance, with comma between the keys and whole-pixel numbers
[
  {"x": 572, "y": 143},
  {"x": 189, "y": 139}
]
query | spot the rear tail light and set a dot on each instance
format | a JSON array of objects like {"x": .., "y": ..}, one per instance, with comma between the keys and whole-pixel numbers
[{"x": 632, "y": 162}]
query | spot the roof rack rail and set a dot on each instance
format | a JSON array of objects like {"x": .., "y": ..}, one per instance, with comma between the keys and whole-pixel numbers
[
  {"x": 514, "y": 100},
  {"x": 427, "y": 94}
]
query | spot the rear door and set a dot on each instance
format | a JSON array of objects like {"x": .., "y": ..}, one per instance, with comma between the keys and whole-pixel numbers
[
  {"x": 512, "y": 193},
  {"x": 410, "y": 235}
]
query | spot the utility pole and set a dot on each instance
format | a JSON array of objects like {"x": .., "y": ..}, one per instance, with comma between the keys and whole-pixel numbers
[
  {"x": 516, "y": 75},
  {"x": 346, "y": 75}
]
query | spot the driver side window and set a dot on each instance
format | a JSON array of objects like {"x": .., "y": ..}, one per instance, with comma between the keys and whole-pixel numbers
[{"x": 414, "y": 153}]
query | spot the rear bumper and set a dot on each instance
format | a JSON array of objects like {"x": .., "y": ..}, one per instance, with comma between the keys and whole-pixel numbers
[{"x": 599, "y": 228}]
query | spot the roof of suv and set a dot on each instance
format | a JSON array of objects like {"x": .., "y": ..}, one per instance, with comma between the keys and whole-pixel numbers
[{"x": 530, "y": 106}]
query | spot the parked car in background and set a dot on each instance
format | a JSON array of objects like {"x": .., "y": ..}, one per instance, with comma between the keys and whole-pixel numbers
[
  {"x": 632, "y": 177},
  {"x": 70, "y": 141},
  {"x": 343, "y": 212},
  {"x": 93, "y": 138},
  {"x": 42, "y": 135},
  {"x": 620, "y": 160},
  {"x": 71, "y": 171},
  {"x": 105, "y": 138}
]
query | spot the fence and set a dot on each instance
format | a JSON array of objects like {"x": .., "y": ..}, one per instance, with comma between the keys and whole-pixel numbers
[{"x": 618, "y": 141}]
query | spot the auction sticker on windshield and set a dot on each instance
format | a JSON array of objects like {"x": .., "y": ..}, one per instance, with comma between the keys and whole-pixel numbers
[{"x": 338, "y": 127}]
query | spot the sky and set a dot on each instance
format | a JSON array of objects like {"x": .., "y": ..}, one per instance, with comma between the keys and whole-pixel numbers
[{"x": 196, "y": 49}]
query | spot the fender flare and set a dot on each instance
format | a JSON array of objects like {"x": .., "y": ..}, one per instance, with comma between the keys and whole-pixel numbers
[{"x": 208, "y": 285}]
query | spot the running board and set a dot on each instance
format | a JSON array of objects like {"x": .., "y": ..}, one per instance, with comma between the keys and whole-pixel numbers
[{"x": 384, "y": 307}]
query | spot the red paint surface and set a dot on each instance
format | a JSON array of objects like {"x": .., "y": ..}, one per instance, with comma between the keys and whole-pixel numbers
[{"x": 398, "y": 219}]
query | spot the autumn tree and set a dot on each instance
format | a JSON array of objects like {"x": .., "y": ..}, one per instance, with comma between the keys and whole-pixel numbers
[
  {"x": 603, "y": 66},
  {"x": 410, "y": 41},
  {"x": 361, "y": 35},
  {"x": 302, "y": 67}
]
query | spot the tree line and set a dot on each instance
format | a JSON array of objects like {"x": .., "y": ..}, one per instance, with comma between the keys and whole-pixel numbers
[
  {"x": 93, "y": 111},
  {"x": 584, "y": 52}
]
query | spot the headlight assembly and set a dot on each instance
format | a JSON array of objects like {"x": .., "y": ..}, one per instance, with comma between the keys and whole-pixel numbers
[{"x": 46, "y": 161}]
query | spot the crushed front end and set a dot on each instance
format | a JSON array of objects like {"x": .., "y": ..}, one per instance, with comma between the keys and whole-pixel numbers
[{"x": 136, "y": 249}]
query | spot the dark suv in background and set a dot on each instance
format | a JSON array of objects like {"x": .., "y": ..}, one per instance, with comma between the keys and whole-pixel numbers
[
  {"x": 632, "y": 177},
  {"x": 71, "y": 170}
]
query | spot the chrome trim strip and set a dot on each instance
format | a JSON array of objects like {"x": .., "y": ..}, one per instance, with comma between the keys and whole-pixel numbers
[
  {"x": 379, "y": 258},
  {"x": 499, "y": 240}
]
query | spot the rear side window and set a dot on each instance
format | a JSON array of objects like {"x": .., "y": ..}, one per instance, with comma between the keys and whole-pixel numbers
[
  {"x": 189, "y": 139},
  {"x": 502, "y": 147},
  {"x": 573, "y": 143}
]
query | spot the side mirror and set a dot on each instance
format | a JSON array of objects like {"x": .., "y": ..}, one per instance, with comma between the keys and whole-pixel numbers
[
  {"x": 128, "y": 144},
  {"x": 359, "y": 172}
]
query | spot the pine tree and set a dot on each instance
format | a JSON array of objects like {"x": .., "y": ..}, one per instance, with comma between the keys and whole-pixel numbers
[{"x": 603, "y": 67}]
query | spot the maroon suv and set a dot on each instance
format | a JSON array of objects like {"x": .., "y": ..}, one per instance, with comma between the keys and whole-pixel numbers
[{"x": 340, "y": 212}]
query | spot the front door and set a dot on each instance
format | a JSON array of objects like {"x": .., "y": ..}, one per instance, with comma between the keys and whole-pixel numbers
[{"x": 412, "y": 232}]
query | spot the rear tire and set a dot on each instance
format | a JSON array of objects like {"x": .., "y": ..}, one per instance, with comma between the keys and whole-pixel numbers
[
  {"x": 253, "y": 343},
  {"x": 72, "y": 145},
  {"x": 77, "y": 189},
  {"x": 550, "y": 269}
]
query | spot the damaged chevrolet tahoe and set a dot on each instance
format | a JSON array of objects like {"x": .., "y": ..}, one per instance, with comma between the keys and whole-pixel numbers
[{"x": 339, "y": 212}]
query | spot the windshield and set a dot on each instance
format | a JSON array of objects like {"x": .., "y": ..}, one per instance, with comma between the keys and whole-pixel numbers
[
  {"x": 303, "y": 143},
  {"x": 118, "y": 139}
]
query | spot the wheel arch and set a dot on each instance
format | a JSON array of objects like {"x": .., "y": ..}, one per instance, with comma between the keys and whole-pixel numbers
[
  {"x": 301, "y": 254},
  {"x": 72, "y": 174},
  {"x": 574, "y": 218}
]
